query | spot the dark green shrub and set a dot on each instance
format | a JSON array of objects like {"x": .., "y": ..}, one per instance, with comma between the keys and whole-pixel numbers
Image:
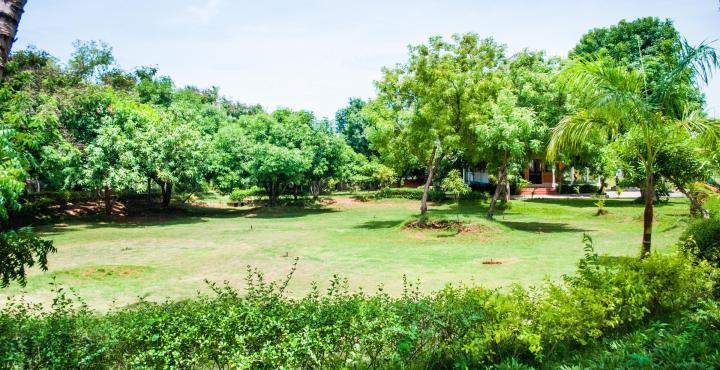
[
  {"x": 577, "y": 188},
  {"x": 702, "y": 240},
  {"x": 433, "y": 195}
]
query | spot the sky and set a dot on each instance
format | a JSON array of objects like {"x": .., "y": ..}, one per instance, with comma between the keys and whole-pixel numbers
[{"x": 315, "y": 54}]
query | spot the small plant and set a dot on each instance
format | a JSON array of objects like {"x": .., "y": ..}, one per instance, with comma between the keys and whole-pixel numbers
[
  {"x": 453, "y": 184},
  {"x": 601, "y": 210}
]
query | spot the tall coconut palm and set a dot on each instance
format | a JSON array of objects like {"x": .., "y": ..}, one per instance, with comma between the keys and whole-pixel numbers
[
  {"x": 10, "y": 13},
  {"x": 614, "y": 100}
]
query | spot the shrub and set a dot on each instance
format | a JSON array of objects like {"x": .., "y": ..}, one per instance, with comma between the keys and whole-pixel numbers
[
  {"x": 577, "y": 188},
  {"x": 239, "y": 195},
  {"x": 433, "y": 195},
  {"x": 463, "y": 327},
  {"x": 712, "y": 204},
  {"x": 702, "y": 240}
]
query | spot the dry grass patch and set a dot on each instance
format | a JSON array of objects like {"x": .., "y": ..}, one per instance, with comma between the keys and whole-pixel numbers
[{"x": 103, "y": 272}]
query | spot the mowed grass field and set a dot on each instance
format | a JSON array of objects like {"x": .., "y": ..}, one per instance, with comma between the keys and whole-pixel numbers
[{"x": 117, "y": 261}]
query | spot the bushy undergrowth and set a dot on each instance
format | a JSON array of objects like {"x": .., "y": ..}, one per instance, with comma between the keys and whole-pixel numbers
[
  {"x": 239, "y": 195},
  {"x": 433, "y": 195},
  {"x": 577, "y": 188},
  {"x": 457, "y": 327},
  {"x": 690, "y": 340},
  {"x": 702, "y": 240}
]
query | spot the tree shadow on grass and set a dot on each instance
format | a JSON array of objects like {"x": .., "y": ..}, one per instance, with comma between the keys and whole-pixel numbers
[
  {"x": 590, "y": 202},
  {"x": 586, "y": 202},
  {"x": 173, "y": 216},
  {"x": 541, "y": 227},
  {"x": 289, "y": 212},
  {"x": 379, "y": 224}
]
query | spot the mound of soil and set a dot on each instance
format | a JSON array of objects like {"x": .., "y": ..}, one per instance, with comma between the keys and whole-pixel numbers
[{"x": 427, "y": 224}]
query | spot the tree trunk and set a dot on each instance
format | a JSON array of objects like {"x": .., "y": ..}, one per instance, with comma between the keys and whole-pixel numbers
[
  {"x": 10, "y": 13},
  {"x": 316, "y": 188},
  {"x": 273, "y": 194},
  {"x": 107, "y": 194},
  {"x": 506, "y": 192},
  {"x": 149, "y": 189},
  {"x": 695, "y": 205},
  {"x": 500, "y": 187},
  {"x": 428, "y": 181},
  {"x": 166, "y": 189},
  {"x": 648, "y": 214}
]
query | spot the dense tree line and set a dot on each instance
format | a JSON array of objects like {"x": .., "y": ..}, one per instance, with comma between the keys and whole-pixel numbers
[{"x": 96, "y": 127}]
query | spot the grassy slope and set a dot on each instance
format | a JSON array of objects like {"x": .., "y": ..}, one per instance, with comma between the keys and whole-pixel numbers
[{"x": 364, "y": 242}]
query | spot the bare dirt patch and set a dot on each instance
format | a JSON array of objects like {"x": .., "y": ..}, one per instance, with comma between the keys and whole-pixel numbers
[
  {"x": 427, "y": 224},
  {"x": 103, "y": 272},
  {"x": 434, "y": 229}
]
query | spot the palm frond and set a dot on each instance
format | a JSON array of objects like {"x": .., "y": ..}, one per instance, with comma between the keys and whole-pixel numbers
[
  {"x": 574, "y": 130},
  {"x": 696, "y": 63},
  {"x": 601, "y": 84}
]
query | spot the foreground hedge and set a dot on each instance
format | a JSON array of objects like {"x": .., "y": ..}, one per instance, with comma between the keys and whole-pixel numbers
[{"x": 456, "y": 327}]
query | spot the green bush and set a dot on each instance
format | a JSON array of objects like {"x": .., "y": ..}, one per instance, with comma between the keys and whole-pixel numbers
[
  {"x": 239, "y": 195},
  {"x": 712, "y": 204},
  {"x": 433, "y": 195},
  {"x": 577, "y": 188},
  {"x": 688, "y": 341},
  {"x": 463, "y": 327},
  {"x": 702, "y": 240}
]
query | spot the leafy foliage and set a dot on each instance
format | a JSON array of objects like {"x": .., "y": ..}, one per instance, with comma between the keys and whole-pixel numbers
[
  {"x": 455, "y": 327},
  {"x": 702, "y": 240}
]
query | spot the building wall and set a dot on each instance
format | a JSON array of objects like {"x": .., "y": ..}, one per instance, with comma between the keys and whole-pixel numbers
[{"x": 480, "y": 177}]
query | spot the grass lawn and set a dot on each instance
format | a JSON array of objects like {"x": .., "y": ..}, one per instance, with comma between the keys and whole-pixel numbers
[{"x": 155, "y": 256}]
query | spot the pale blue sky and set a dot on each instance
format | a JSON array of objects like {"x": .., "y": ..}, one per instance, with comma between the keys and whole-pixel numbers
[{"x": 315, "y": 54}]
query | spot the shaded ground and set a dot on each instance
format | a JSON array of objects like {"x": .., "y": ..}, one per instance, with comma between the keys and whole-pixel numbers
[{"x": 155, "y": 255}]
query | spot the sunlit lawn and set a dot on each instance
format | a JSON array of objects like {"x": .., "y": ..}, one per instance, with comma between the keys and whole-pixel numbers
[{"x": 158, "y": 257}]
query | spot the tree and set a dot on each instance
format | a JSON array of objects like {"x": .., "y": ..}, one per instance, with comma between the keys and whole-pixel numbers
[
  {"x": 432, "y": 101},
  {"x": 10, "y": 13},
  {"x": 271, "y": 151},
  {"x": 615, "y": 98},
  {"x": 330, "y": 157},
  {"x": 276, "y": 167},
  {"x": 152, "y": 89},
  {"x": 351, "y": 123},
  {"x": 171, "y": 153},
  {"x": 454, "y": 184},
  {"x": 91, "y": 60},
  {"x": 654, "y": 42},
  {"x": 19, "y": 249},
  {"x": 505, "y": 139},
  {"x": 679, "y": 161},
  {"x": 109, "y": 162}
]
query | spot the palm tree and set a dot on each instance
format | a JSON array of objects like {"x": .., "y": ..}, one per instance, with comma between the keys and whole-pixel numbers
[
  {"x": 614, "y": 100},
  {"x": 10, "y": 13}
]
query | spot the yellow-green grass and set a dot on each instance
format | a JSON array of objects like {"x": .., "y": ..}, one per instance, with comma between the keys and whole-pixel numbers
[{"x": 116, "y": 261}]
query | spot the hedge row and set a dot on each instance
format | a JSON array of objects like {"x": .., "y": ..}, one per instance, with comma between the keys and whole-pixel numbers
[
  {"x": 577, "y": 188},
  {"x": 457, "y": 327},
  {"x": 416, "y": 194}
]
